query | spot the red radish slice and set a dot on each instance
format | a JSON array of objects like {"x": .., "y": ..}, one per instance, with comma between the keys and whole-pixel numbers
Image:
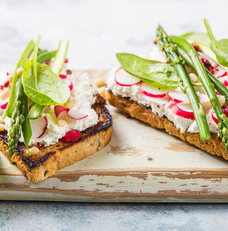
[
  {"x": 4, "y": 103},
  {"x": 122, "y": 78},
  {"x": 60, "y": 112},
  {"x": 214, "y": 117},
  {"x": 62, "y": 76},
  {"x": 66, "y": 60},
  {"x": 178, "y": 96},
  {"x": 38, "y": 127},
  {"x": 220, "y": 72},
  {"x": 152, "y": 91},
  {"x": 69, "y": 83},
  {"x": 161, "y": 101},
  {"x": 76, "y": 114},
  {"x": 226, "y": 83},
  {"x": 71, "y": 137},
  {"x": 182, "y": 109}
]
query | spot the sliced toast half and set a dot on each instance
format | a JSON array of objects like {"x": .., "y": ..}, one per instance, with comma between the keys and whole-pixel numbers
[{"x": 55, "y": 157}]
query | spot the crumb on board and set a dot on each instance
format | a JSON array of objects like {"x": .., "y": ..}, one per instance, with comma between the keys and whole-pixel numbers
[{"x": 148, "y": 156}]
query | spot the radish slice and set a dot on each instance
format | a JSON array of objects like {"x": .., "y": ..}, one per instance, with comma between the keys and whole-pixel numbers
[
  {"x": 71, "y": 137},
  {"x": 158, "y": 55},
  {"x": 220, "y": 72},
  {"x": 60, "y": 112},
  {"x": 182, "y": 109},
  {"x": 161, "y": 101},
  {"x": 69, "y": 83},
  {"x": 62, "y": 76},
  {"x": 152, "y": 91},
  {"x": 214, "y": 117},
  {"x": 38, "y": 127},
  {"x": 122, "y": 78},
  {"x": 177, "y": 96},
  {"x": 76, "y": 114},
  {"x": 4, "y": 103}
]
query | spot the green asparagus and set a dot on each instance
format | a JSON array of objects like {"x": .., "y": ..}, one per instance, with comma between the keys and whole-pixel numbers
[
  {"x": 171, "y": 53},
  {"x": 208, "y": 86}
]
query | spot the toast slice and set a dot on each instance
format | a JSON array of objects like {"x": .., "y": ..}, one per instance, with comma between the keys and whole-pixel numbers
[
  {"x": 214, "y": 146},
  {"x": 55, "y": 157}
]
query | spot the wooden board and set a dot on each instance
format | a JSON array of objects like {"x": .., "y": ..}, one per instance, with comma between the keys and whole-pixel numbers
[{"x": 178, "y": 172}]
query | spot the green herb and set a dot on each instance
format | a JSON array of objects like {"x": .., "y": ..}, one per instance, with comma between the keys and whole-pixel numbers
[
  {"x": 208, "y": 86},
  {"x": 46, "y": 56},
  {"x": 153, "y": 72},
  {"x": 34, "y": 57},
  {"x": 53, "y": 90},
  {"x": 14, "y": 93},
  {"x": 201, "y": 38},
  {"x": 170, "y": 51},
  {"x": 220, "y": 48},
  {"x": 41, "y": 51},
  {"x": 60, "y": 58}
]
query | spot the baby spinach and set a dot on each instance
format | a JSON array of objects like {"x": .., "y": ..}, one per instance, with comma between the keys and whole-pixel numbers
[
  {"x": 202, "y": 38},
  {"x": 44, "y": 57},
  {"x": 219, "y": 48},
  {"x": 52, "y": 89},
  {"x": 153, "y": 72}
]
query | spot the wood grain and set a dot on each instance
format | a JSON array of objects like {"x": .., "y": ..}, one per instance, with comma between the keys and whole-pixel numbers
[{"x": 178, "y": 172}]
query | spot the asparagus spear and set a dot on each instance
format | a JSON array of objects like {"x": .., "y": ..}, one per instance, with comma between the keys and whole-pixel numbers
[
  {"x": 220, "y": 87},
  {"x": 209, "y": 87},
  {"x": 171, "y": 53}
]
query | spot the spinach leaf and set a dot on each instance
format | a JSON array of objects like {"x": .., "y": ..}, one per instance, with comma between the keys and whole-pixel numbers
[
  {"x": 52, "y": 89},
  {"x": 153, "y": 72},
  {"x": 219, "y": 48},
  {"x": 46, "y": 56},
  {"x": 202, "y": 38}
]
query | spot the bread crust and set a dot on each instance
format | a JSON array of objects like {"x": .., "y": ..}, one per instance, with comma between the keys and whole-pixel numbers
[
  {"x": 214, "y": 146},
  {"x": 55, "y": 157}
]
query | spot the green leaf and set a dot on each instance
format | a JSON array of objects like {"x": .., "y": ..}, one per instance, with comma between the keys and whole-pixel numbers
[
  {"x": 53, "y": 90},
  {"x": 14, "y": 93},
  {"x": 60, "y": 57},
  {"x": 224, "y": 45},
  {"x": 35, "y": 111},
  {"x": 202, "y": 38},
  {"x": 222, "y": 57},
  {"x": 46, "y": 56},
  {"x": 153, "y": 72},
  {"x": 26, "y": 128},
  {"x": 34, "y": 57}
]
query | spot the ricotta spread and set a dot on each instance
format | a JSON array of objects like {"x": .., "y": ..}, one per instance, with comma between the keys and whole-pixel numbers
[
  {"x": 134, "y": 93},
  {"x": 83, "y": 95}
]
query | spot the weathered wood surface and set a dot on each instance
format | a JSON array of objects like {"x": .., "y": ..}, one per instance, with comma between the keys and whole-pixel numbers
[{"x": 178, "y": 172}]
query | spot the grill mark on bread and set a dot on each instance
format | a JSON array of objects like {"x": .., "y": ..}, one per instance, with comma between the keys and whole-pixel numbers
[{"x": 105, "y": 122}]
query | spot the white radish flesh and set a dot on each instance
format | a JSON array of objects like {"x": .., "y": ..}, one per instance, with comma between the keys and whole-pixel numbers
[
  {"x": 76, "y": 114},
  {"x": 4, "y": 103},
  {"x": 161, "y": 101},
  {"x": 177, "y": 96},
  {"x": 38, "y": 127},
  {"x": 152, "y": 91},
  {"x": 182, "y": 109},
  {"x": 122, "y": 78}
]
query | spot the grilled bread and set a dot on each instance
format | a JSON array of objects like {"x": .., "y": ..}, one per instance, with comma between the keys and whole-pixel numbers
[
  {"x": 145, "y": 114},
  {"x": 55, "y": 157}
]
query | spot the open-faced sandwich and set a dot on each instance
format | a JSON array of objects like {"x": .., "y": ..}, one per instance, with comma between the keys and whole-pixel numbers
[
  {"x": 51, "y": 117},
  {"x": 181, "y": 88}
]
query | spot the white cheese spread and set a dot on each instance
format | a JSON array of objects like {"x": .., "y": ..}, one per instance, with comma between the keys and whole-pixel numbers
[
  {"x": 134, "y": 93},
  {"x": 83, "y": 95}
]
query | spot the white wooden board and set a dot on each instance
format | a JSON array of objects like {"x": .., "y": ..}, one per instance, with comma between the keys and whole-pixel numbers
[{"x": 178, "y": 172}]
